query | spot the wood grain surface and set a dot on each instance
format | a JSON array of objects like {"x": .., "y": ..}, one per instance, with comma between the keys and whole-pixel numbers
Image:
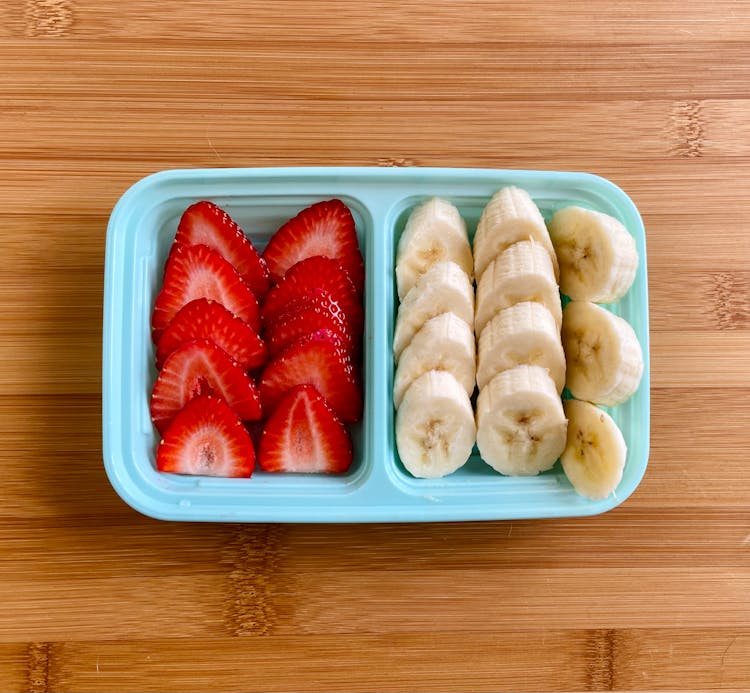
[{"x": 95, "y": 94}]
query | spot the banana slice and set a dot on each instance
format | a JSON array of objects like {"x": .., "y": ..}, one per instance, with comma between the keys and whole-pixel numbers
[
  {"x": 594, "y": 456},
  {"x": 523, "y": 272},
  {"x": 435, "y": 430},
  {"x": 598, "y": 257},
  {"x": 525, "y": 333},
  {"x": 444, "y": 343},
  {"x": 521, "y": 426},
  {"x": 444, "y": 288},
  {"x": 434, "y": 231},
  {"x": 509, "y": 217},
  {"x": 603, "y": 355}
]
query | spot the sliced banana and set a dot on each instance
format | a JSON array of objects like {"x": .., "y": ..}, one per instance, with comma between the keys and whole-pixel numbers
[
  {"x": 595, "y": 453},
  {"x": 598, "y": 258},
  {"x": 434, "y": 232},
  {"x": 509, "y": 217},
  {"x": 444, "y": 288},
  {"x": 435, "y": 430},
  {"x": 444, "y": 343},
  {"x": 521, "y": 426},
  {"x": 524, "y": 333},
  {"x": 522, "y": 272},
  {"x": 603, "y": 356}
]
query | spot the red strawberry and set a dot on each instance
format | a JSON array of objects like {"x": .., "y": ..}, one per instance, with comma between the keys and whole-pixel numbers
[
  {"x": 197, "y": 271},
  {"x": 199, "y": 368},
  {"x": 206, "y": 224},
  {"x": 206, "y": 438},
  {"x": 304, "y": 435},
  {"x": 207, "y": 319},
  {"x": 325, "y": 228},
  {"x": 317, "y": 310},
  {"x": 318, "y": 360},
  {"x": 304, "y": 278}
]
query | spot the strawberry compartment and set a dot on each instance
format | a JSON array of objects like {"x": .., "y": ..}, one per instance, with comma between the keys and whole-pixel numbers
[{"x": 147, "y": 228}]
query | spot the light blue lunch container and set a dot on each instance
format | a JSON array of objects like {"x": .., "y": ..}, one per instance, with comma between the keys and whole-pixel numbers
[{"x": 377, "y": 488}]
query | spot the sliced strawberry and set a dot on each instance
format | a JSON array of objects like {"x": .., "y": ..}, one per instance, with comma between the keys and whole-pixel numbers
[
  {"x": 317, "y": 360},
  {"x": 307, "y": 276},
  {"x": 203, "y": 223},
  {"x": 207, "y": 319},
  {"x": 317, "y": 310},
  {"x": 304, "y": 435},
  {"x": 197, "y": 271},
  {"x": 199, "y": 368},
  {"x": 206, "y": 438},
  {"x": 325, "y": 228}
]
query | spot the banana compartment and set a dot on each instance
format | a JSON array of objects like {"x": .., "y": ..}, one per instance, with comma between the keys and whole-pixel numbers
[{"x": 377, "y": 487}]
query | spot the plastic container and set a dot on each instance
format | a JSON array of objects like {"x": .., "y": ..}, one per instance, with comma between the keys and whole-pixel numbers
[{"x": 377, "y": 488}]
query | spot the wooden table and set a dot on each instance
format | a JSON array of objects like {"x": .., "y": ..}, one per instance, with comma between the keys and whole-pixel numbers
[{"x": 653, "y": 595}]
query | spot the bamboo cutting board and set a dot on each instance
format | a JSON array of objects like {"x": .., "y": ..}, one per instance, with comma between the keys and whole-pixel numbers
[{"x": 653, "y": 595}]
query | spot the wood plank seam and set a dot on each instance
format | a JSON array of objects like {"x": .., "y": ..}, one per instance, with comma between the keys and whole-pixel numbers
[
  {"x": 396, "y": 161},
  {"x": 48, "y": 18},
  {"x": 688, "y": 122},
  {"x": 600, "y": 660},
  {"x": 38, "y": 657},
  {"x": 729, "y": 294},
  {"x": 252, "y": 556}
]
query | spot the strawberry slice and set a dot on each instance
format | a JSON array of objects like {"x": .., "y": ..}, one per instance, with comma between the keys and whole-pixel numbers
[
  {"x": 307, "y": 276},
  {"x": 325, "y": 228},
  {"x": 206, "y": 438},
  {"x": 197, "y": 271},
  {"x": 199, "y": 368},
  {"x": 204, "y": 223},
  {"x": 207, "y": 319},
  {"x": 317, "y": 360},
  {"x": 315, "y": 311},
  {"x": 304, "y": 435}
]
